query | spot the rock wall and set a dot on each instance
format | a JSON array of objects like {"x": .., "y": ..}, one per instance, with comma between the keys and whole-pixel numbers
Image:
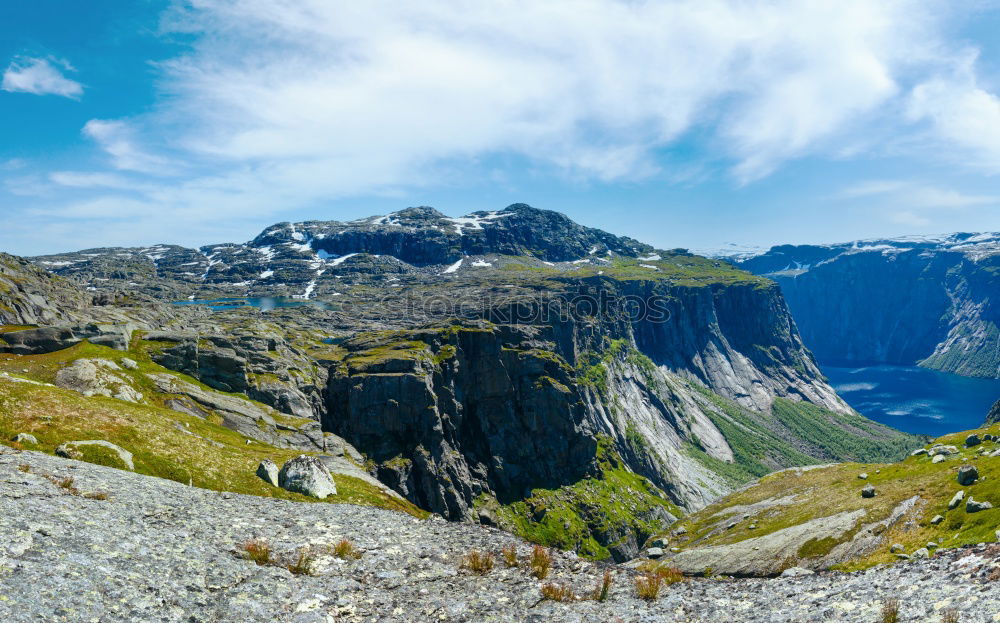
[{"x": 898, "y": 306}]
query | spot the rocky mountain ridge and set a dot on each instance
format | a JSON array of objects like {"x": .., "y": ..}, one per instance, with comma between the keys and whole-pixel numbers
[
  {"x": 926, "y": 300},
  {"x": 586, "y": 400}
]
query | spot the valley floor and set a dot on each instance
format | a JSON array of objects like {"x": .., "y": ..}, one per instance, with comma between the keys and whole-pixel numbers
[{"x": 156, "y": 550}]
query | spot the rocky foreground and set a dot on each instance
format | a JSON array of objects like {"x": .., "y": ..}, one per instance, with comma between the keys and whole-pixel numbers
[{"x": 109, "y": 545}]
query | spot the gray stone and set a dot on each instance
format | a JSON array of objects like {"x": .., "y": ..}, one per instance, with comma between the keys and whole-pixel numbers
[
  {"x": 654, "y": 552},
  {"x": 796, "y": 572},
  {"x": 956, "y": 500},
  {"x": 972, "y": 440},
  {"x": 972, "y": 506},
  {"x": 918, "y": 452},
  {"x": 938, "y": 458},
  {"x": 26, "y": 438},
  {"x": 268, "y": 472},
  {"x": 943, "y": 450},
  {"x": 937, "y": 519},
  {"x": 923, "y": 552},
  {"x": 863, "y": 476},
  {"x": 896, "y": 548},
  {"x": 307, "y": 475},
  {"x": 868, "y": 492},
  {"x": 129, "y": 364},
  {"x": 71, "y": 450},
  {"x": 967, "y": 474}
]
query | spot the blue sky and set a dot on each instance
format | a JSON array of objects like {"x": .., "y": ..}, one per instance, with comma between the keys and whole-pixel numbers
[{"x": 691, "y": 123}]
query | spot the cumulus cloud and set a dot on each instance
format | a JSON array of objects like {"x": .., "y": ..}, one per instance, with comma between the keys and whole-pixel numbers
[
  {"x": 40, "y": 77},
  {"x": 281, "y": 104},
  {"x": 963, "y": 113}
]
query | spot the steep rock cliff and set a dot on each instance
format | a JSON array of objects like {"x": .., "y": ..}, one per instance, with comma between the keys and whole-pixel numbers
[{"x": 895, "y": 301}]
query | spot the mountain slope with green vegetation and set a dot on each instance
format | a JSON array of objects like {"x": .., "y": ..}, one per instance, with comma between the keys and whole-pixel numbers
[{"x": 819, "y": 518}]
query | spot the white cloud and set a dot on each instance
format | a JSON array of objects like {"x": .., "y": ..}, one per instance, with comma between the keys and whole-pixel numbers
[
  {"x": 594, "y": 87},
  {"x": 40, "y": 77},
  {"x": 283, "y": 104},
  {"x": 118, "y": 140},
  {"x": 962, "y": 113}
]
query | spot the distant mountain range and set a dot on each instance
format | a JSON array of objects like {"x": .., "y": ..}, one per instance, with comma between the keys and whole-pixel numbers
[{"x": 930, "y": 300}]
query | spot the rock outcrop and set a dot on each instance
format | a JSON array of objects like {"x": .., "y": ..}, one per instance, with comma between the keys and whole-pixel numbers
[
  {"x": 307, "y": 475},
  {"x": 899, "y": 301},
  {"x": 161, "y": 551},
  {"x": 994, "y": 415}
]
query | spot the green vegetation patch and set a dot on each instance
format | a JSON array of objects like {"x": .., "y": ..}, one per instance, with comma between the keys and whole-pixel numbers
[{"x": 593, "y": 514}]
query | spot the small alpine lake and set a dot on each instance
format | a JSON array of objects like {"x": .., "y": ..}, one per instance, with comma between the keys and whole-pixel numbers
[
  {"x": 915, "y": 400},
  {"x": 265, "y": 303}
]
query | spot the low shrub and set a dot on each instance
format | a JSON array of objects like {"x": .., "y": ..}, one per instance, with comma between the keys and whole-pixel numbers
[
  {"x": 478, "y": 562},
  {"x": 345, "y": 550},
  {"x": 541, "y": 562},
  {"x": 557, "y": 592}
]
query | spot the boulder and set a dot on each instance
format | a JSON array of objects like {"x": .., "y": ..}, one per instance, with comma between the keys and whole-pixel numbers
[
  {"x": 972, "y": 506},
  {"x": 307, "y": 475},
  {"x": 918, "y": 452},
  {"x": 956, "y": 500},
  {"x": 868, "y": 492},
  {"x": 26, "y": 438},
  {"x": 943, "y": 450},
  {"x": 972, "y": 440},
  {"x": 923, "y": 552},
  {"x": 896, "y": 548},
  {"x": 129, "y": 364},
  {"x": 967, "y": 474},
  {"x": 937, "y": 519},
  {"x": 268, "y": 472},
  {"x": 863, "y": 476},
  {"x": 97, "y": 377},
  {"x": 654, "y": 552},
  {"x": 938, "y": 458},
  {"x": 72, "y": 450},
  {"x": 795, "y": 572}
]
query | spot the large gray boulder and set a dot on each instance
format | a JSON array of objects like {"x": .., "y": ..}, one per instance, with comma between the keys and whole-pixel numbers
[
  {"x": 967, "y": 474},
  {"x": 868, "y": 492},
  {"x": 972, "y": 440},
  {"x": 307, "y": 475},
  {"x": 26, "y": 438},
  {"x": 956, "y": 500},
  {"x": 97, "y": 377},
  {"x": 72, "y": 450},
  {"x": 268, "y": 472},
  {"x": 972, "y": 506}
]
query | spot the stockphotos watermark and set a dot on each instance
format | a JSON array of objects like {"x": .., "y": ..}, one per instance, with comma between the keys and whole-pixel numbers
[{"x": 540, "y": 308}]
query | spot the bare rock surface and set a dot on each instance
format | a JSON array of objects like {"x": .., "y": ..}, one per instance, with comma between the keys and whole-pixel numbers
[{"x": 160, "y": 551}]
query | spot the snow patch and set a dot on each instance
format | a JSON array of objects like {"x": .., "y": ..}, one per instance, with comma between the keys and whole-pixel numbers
[{"x": 453, "y": 267}]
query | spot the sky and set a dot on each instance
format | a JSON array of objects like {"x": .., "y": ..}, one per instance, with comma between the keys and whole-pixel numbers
[{"x": 687, "y": 123}]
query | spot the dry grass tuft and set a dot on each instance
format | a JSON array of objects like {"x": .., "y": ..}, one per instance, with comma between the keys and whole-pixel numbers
[
  {"x": 600, "y": 592},
  {"x": 648, "y": 586},
  {"x": 303, "y": 564},
  {"x": 478, "y": 562},
  {"x": 24, "y": 468},
  {"x": 890, "y": 611},
  {"x": 949, "y": 615},
  {"x": 509, "y": 553},
  {"x": 345, "y": 550},
  {"x": 258, "y": 550},
  {"x": 97, "y": 495},
  {"x": 557, "y": 592},
  {"x": 541, "y": 562}
]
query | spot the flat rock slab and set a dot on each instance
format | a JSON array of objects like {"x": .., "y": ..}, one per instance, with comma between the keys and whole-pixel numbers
[{"x": 160, "y": 551}]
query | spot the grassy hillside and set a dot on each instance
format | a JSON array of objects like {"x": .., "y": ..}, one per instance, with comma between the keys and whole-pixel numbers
[
  {"x": 796, "y": 496},
  {"x": 164, "y": 442}
]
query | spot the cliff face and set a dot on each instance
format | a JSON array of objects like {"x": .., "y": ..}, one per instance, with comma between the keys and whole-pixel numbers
[
  {"x": 895, "y": 301},
  {"x": 461, "y": 419},
  {"x": 510, "y": 367},
  {"x": 29, "y": 295}
]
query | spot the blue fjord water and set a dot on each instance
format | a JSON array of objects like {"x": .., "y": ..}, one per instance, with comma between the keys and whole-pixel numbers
[{"x": 915, "y": 400}]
